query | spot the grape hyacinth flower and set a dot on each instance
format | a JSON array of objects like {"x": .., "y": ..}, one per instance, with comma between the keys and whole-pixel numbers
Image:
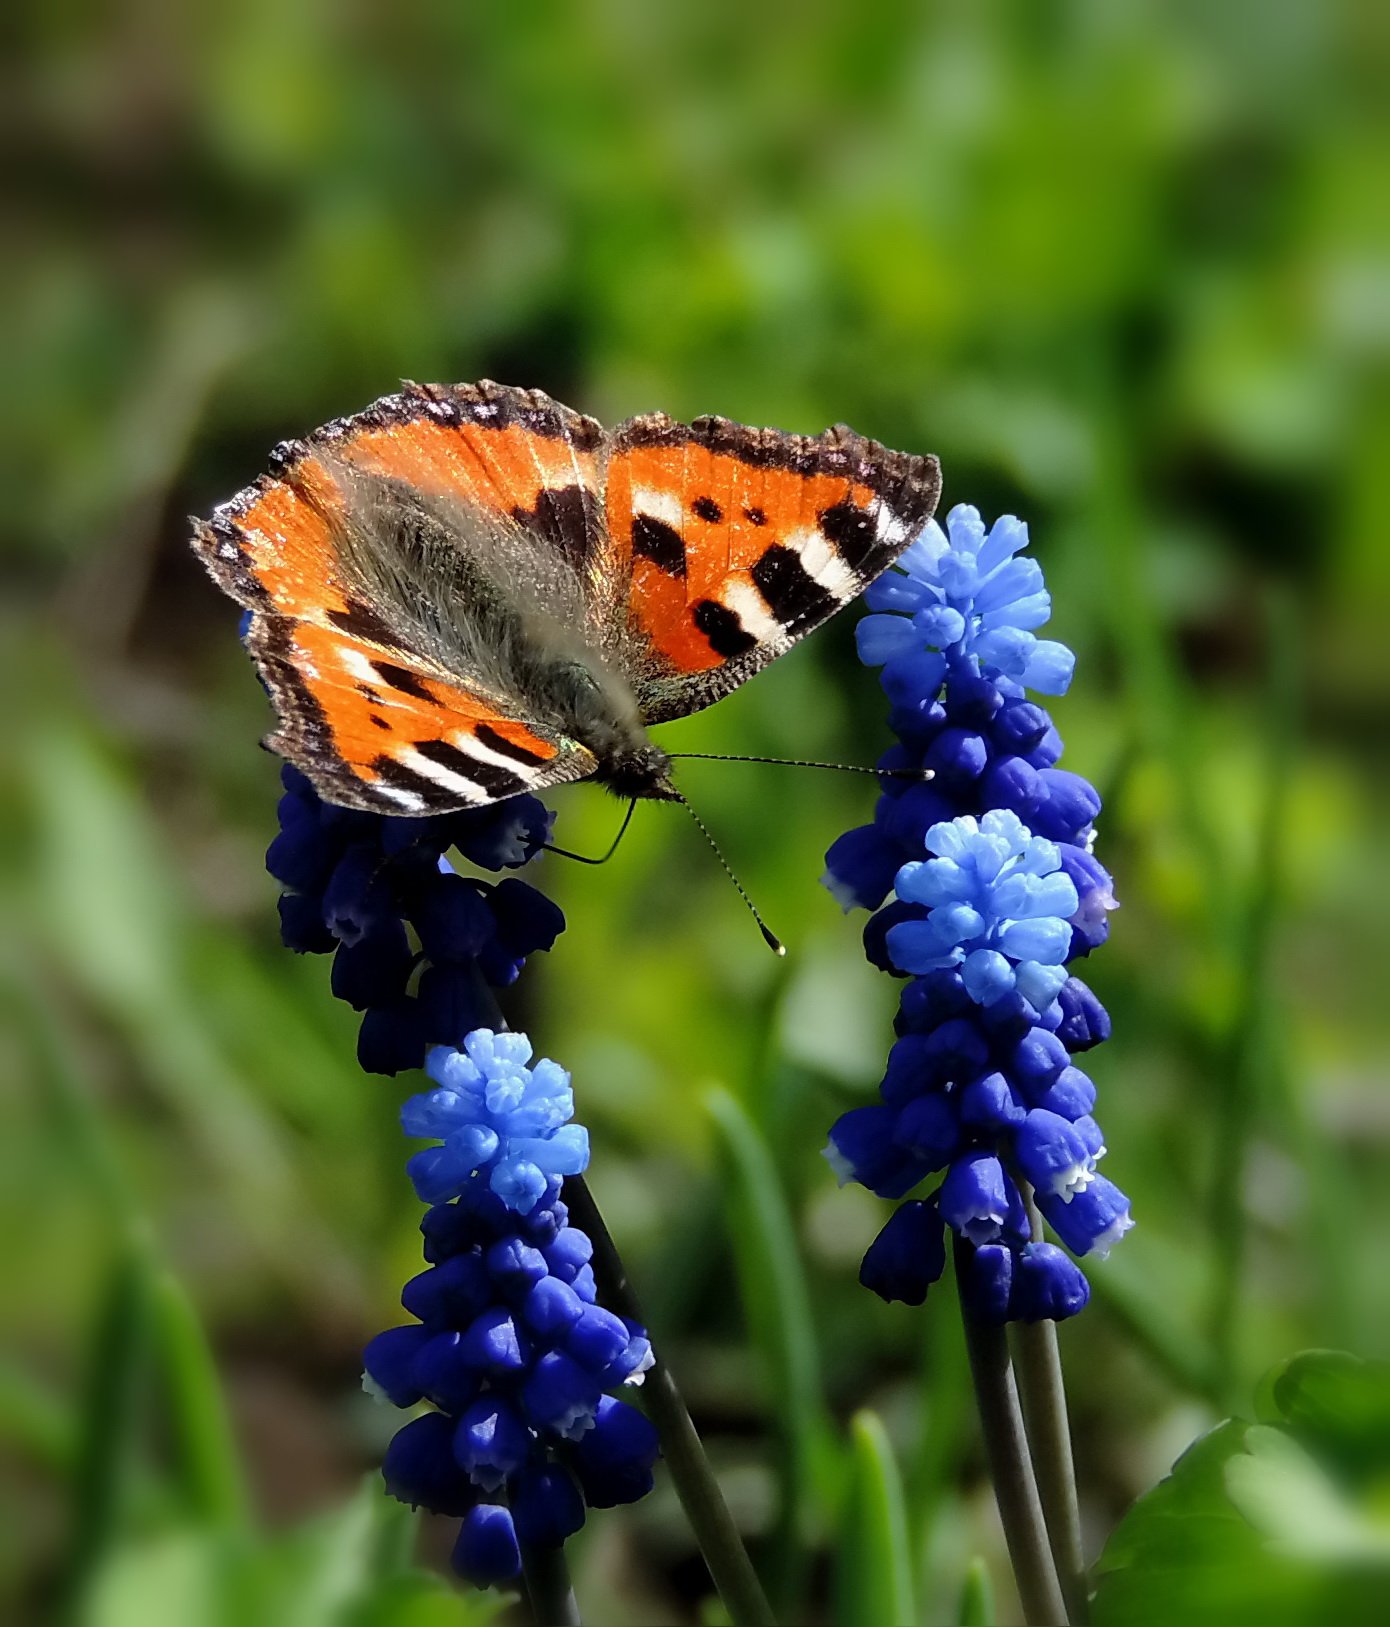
[
  {"x": 509, "y": 1345},
  {"x": 509, "y": 1348},
  {"x": 996, "y": 893}
]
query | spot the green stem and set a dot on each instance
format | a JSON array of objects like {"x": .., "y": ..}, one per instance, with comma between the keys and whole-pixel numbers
[
  {"x": 1039, "y": 1365},
  {"x": 696, "y": 1486},
  {"x": 699, "y": 1492},
  {"x": 1006, "y": 1449},
  {"x": 548, "y": 1588},
  {"x": 1049, "y": 1441}
]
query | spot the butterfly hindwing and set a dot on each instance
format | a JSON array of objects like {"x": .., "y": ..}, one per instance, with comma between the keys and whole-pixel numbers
[{"x": 740, "y": 541}]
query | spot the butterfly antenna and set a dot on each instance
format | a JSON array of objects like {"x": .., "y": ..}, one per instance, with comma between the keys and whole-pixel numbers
[
  {"x": 584, "y": 858},
  {"x": 920, "y": 775},
  {"x": 771, "y": 939}
]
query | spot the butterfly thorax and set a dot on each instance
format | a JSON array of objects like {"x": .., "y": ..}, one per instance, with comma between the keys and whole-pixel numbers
[{"x": 593, "y": 705}]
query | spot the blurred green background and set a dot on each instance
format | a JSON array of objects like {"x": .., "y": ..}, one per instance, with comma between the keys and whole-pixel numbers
[{"x": 1124, "y": 269}]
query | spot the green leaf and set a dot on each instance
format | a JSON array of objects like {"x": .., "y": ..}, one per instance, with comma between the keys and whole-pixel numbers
[
  {"x": 108, "y": 1452},
  {"x": 1335, "y": 1403},
  {"x": 874, "y": 1576},
  {"x": 1252, "y": 1523},
  {"x": 1298, "y": 1508}
]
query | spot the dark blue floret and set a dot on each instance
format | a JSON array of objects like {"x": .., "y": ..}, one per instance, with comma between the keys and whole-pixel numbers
[
  {"x": 388, "y": 1362},
  {"x": 392, "y": 1038},
  {"x": 877, "y": 927},
  {"x": 908, "y": 1255},
  {"x": 445, "y": 1376},
  {"x": 416, "y": 944},
  {"x": 614, "y": 1459},
  {"x": 987, "y": 1282},
  {"x": 864, "y": 864},
  {"x": 1047, "y": 1286},
  {"x": 486, "y": 1552},
  {"x": 419, "y": 1467},
  {"x": 1085, "y": 1022},
  {"x": 547, "y": 1505}
]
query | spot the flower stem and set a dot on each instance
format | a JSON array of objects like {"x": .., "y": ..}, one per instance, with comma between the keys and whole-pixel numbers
[
  {"x": 1049, "y": 1440},
  {"x": 548, "y": 1588},
  {"x": 1006, "y": 1448},
  {"x": 699, "y": 1492}
]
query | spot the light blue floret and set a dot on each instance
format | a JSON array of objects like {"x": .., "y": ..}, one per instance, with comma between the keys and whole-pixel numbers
[
  {"x": 1000, "y": 905},
  {"x": 495, "y": 1113},
  {"x": 961, "y": 592}
]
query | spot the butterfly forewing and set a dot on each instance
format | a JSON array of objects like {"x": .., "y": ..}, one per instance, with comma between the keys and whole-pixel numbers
[{"x": 741, "y": 541}]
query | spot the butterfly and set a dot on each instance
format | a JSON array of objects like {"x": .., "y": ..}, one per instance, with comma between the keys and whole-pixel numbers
[{"x": 469, "y": 591}]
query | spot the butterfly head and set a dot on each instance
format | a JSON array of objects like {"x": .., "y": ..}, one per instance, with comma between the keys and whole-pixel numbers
[{"x": 638, "y": 770}]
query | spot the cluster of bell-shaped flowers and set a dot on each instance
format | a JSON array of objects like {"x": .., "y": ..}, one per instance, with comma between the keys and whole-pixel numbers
[
  {"x": 510, "y": 1348},
  {"x": 995, "y": 893}
]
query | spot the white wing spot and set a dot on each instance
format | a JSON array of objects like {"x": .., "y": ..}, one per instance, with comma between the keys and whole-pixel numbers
[
  {"x": 750, "y": 608},
  {"x": 411, "y": 801},
  {"x": 653, "y": 504},
  {"x": 890, "y": 528},
  {"x": 821, "y": 562},
  {"x": 359, "y": 666},
  {"x": 485, "y": 754}
]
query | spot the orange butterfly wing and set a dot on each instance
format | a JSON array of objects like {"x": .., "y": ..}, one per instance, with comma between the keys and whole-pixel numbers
[{"x": 740, "y": 541}]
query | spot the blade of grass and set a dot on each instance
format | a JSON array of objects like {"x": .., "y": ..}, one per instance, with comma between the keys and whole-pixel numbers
[
  {"x": 35, "y": 1421},
  {"x": 777, "y": 1303},
  {"x": 1239, "y": 1103},
  {"x": 108, "y": 1442},
  {"x": 874, "y": 1585},
  {"x": 977, "y": 1607},
  {"x": 208, "y": 1464}
]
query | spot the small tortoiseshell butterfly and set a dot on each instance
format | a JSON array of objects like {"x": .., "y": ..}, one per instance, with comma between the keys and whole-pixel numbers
[{"x": 468, "y": 591}]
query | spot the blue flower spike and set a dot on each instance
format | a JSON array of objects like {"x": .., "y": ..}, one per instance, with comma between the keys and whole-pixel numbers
[
  {"x": 510, "y": 1345},
  {"x": 509, "y": 1349},
  {"x": 993, "y": 893}
]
